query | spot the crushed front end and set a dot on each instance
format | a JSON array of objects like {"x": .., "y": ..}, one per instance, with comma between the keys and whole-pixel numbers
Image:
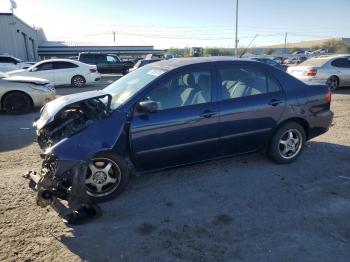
[{"x": 69, "y": 134}]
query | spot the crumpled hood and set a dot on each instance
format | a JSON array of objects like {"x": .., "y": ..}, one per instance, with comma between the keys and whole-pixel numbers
[
  {"x": 27, "y": 79},
  {"x": 49, "y": 111}
]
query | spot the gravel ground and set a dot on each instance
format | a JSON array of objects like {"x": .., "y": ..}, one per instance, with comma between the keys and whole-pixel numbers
[{"x": 238, "y": 209}]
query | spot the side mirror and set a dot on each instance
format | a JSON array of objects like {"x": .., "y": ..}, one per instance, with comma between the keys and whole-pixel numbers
[{"x": 147, "y": 106}]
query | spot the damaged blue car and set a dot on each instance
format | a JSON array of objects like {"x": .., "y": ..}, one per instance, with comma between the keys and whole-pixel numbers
[{"x": 171, "y": 113}]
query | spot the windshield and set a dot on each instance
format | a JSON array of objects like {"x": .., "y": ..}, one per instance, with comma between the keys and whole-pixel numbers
[
  {"x": 127, "y": 86},
  {"x": 315, "y": 62}
]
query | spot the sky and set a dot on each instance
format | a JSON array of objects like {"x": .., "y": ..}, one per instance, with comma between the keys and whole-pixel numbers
[{"x": 185, "y": 23}]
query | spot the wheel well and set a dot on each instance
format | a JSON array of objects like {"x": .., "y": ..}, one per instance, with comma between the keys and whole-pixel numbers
[
  {"x": 298, "y": 120},
  {"x": 15, "y": 91},
  {"x": 335, "y": 77},
  {"x": 78, "y": 75}
]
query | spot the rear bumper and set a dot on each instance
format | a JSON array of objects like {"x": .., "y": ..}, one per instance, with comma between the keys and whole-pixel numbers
[{"x": 320, "y": 123}]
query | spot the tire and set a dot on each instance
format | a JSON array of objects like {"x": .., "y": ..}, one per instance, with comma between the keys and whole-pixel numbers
[
  {"x": 99, "y": 175},
  {"x": 17, "y": 103},
  {"x": 333, "y": 83},
  {"x": 125, "y": 71},
  {"x": 287, "y": 143},
  {"x": 78, "y": 81}
]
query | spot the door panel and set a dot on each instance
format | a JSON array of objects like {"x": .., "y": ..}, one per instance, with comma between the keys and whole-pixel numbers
[
  {"x": 174, "y": 136},
  {"x": 246, "y": 123},
  {"x": 252, "y": 104},
  {"x": 185, "y": 127}
]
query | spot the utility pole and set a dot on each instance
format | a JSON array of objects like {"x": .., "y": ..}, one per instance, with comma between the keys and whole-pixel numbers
[
  {"x": 236, "y": 39},
  {"x": 285, "y": 43},
  {"x": 114, "y": 36}
]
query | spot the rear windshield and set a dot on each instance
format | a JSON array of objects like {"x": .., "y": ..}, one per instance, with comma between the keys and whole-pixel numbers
[{"x": 315, "y": 62}]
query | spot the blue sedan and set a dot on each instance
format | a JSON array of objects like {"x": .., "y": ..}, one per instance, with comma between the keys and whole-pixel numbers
[{"x": 171, "y": 113}]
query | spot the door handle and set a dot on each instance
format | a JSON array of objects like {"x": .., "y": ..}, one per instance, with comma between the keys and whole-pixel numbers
[
  {"x": 208, "y": 113},
  {"x": 275, "y": 102}
]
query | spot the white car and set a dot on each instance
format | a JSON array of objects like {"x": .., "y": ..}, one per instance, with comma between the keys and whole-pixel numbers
[
  {"x": 19, "y": 94},
  {"x": 62, "y": 72},
  {"x": 331, "y": 70},
  {"x": 9, "y": 63}
]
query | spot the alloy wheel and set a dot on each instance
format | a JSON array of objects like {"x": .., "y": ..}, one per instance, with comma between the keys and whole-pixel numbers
[
  {"x": 290, "y": 143},
  {"x": 332, "y": 83},
  {"x": 78, "y": 81},
  {"x": 103, "y": 177}
]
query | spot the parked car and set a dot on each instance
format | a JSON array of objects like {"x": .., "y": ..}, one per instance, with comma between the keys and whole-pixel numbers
[
  {"x": 9, "y": 63},
  {"x": 331, "y": 70},
  {"x": 106, "y": 63},
  {"x": 18, "y": 94},
  {"x": 176, "y": 112},
  {"x": 295, "y": 60},
  {"x": 61, "y": 72},
  {"x": 271, "y": 62},
  {"x": 143, "y": 62}
]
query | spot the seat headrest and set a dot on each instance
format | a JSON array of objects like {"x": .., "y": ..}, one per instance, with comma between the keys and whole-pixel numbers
[{"x": 188, "y": 80}]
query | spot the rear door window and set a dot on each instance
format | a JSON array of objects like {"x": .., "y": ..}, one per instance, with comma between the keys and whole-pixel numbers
[
  {"x": 100, "y": 59},
  {"x": 64, "y": 65},
  {"x": 341, "y": 62},
  {"x": 88, "y": 58},
  {"x": 237, "y": 81}
]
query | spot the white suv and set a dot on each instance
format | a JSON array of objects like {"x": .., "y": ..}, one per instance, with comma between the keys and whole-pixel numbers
[{"x": 9, "y": 63}]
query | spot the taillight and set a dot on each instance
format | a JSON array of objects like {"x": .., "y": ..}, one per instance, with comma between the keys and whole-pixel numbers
[
  {"x": 92, "y": 70},
  {"x": 312, "y": 72},
  {"x": 329, "y": 96}
]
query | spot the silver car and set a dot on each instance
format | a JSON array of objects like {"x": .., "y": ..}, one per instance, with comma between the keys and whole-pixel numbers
[
  {"x": 19, "y": 94},
  {"x": 331, "y": 70}
]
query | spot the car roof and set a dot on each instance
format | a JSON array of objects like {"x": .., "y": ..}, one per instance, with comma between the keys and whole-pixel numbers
[
  {"x": 59, "y": 60},
  {"x": 179, "y": 62}
]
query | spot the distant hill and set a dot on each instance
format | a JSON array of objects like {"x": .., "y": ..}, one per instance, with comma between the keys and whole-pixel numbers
[{"x": 308, "y": 44}]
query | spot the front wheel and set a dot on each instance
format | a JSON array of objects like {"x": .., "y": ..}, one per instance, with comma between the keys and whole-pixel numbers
[
  {"x": 287, "y": 143},
  {"x": 17, "y": 103},
  {"x": 107, "y": 176}
]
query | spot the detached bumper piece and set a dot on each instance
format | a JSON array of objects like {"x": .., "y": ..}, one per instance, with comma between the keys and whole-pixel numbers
[{"x": 51, "y": 187}]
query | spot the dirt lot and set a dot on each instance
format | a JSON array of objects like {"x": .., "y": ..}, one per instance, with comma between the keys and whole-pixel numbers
[{"x": 240, "y": 209}]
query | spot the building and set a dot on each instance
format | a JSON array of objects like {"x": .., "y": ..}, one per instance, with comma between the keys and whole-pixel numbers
[
  {"x": 55, "y": 49},
  {"x": 18, "y": 38},
  {"x": 30, "y": 44}
]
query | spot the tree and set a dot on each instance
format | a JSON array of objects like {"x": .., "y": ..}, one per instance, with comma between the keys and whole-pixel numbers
[
  {"x": 186, "y": 52},
  {"x": 315, "y": 47},
  {"x": 173, "y": 51},
  {"x": 211, "y": 51}
]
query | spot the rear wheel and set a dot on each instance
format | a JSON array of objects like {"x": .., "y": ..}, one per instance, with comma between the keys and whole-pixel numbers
[
  {"x": 17, "y": 103},
  {"x": 287, "y": 143},
  {"x": 333, "y": 83},
  {"x": 78, "y": 81},
  {"x": 107, "y": 176}
]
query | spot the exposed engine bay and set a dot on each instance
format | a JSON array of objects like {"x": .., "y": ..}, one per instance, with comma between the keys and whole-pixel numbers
[{"x": 70, "y": 120}]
